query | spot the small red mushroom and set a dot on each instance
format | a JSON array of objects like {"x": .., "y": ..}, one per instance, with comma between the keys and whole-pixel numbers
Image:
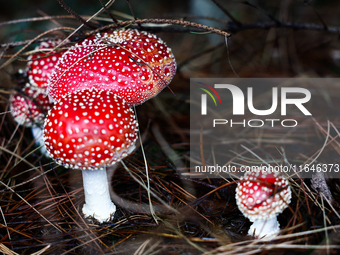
[
  {"x": 90, "y": 130},
  {"x": 30, "y": 106},
  {"x": 41, "y": 65},
  {"x": 133, "y": 64},
  {"x": 261, "y": 195}
]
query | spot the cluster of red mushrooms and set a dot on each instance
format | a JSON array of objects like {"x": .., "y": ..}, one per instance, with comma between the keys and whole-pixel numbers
[
  {"x": 30, "y": 105},
  {"x": 88, "y": 92}
]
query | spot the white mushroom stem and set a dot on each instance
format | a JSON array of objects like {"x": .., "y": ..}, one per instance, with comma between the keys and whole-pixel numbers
[
  {"x": 98, "y": 203},
  {"x": 37, "y": 133},
  {"x": 264, "y": 228}
]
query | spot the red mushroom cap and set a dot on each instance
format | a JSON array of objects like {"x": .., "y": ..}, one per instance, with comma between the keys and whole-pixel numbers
[
  {"x": 90, "y": 129},
  {"x": 134, "y": 65},
  {"x": 262, "y": 194},
  {"x": 29, "y": 107},
  {"x": 41, "y": 65}
]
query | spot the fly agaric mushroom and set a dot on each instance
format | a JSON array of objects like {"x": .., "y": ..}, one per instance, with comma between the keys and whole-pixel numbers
[
  {"x": 90, "y": 130},
  {"x": 134, "y": 65},
  {"x": 41, "y": 65},
  {"x": 261, "y": 195},
  {"x": 29, "y": 108}
]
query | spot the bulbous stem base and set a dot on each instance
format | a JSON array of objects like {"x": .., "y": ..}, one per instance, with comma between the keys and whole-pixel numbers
[
  {"x": 98, "y": 203},
  {"x": 265, "y": 228}
]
